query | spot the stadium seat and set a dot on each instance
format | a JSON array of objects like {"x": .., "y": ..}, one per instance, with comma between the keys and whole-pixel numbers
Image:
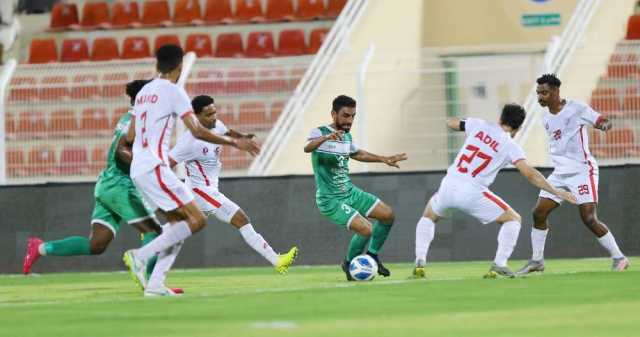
[
  {"x": 31, "y": 124},
  {"x": 291, "y": 43},
  {"x": 43, "y": 51},
  {"x": 104, "y": 49},
  {"x": 234, "y": 159},
  {"x": 144, "y": 74},
  {"x": 229, "y": 45},
  {"x": 53, "y": 88},
  {"x": 199, "y": 44},
  {"x": 605, "y": 104},
  {"x": 187, "y": 12},
  {"x": 15, "y": 162},
  {"x": 95, "y": 15},
  {"x": 335, "y": 7},
  {"x": 42, "y": 161},
  {"x": 165, "y": 39},
  {"x": 85, "y": 87},
  {"x": 64, "y": 16},
  {"x": 95, "y": 122},
  {"x": 135, "y": 47},
  {"x": 10, "y": 125},
  {"x": 241, "y": 81},
  {"x": 63, "y": 123},
  {"x": 23, "y": 89},
  {"x": 276, "y": 111},
  {"x": 316, "y": 39},
  {"x": 633, "y": 27},
  {"x": 209, "y": 82},
  {"x": 310, "y": 10},
  {"x": 218, "y": 11},
  {"x": 226, "y": 113},
  {"x": 260, "y": 45},
  {"x": 622, "y": 65},
  {"x": 117, "y": 114},
  {"x": 156, "y": 13},
  {"x": 631, "y": 107},
  {"x": 73, "y": 160},
  {"x": 280, "y": 10},
  {"x": 249, "y": 11},
  {"x": 125, "y": 14},
  {"x": 98, "y": 158},
  {"x": 621, "y": 143},
  {"x": 74, "y": 50},
  {"x": 272, "y": 80},
  {"x": 114, "y": 84},
  {"x": 252, "y": 116},
  {"x": 296, "y": 76}
]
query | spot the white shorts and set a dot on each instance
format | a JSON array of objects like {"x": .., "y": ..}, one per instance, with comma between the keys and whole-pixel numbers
[
  {"x": 583, "y": 186},
  {"x": 477, "y": 201},
  {"x": 212, "y": 202},
  {"x": 162, "y": 189}
]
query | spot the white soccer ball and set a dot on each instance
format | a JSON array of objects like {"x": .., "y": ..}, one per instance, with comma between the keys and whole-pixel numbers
[{"x": 363, "y": 268}]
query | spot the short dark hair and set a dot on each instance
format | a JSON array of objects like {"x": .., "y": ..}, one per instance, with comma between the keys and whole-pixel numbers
[
  {"x": 134, "y": 87},
  {"x": 550, "y": 79},
  {"x": 200, "y": 102},
  {"x": 343, "y": 101},
  {"x": 513, "y": 115},
  {"x": 168, "y": 58}
]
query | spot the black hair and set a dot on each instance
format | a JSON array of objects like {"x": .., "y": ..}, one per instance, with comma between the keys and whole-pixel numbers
[
  {"x": 134, "y": 87},
  {"x": 549, "y": 79},
  {"x": 200, "y": 102},
  {"x": 168, "y": 58},
  {"x": 343, "y": 101},
  {"x": 513, "y": 115}
]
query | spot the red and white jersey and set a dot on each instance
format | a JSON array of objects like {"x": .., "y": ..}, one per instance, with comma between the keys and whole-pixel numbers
[
  {"x": 156, "y": 107},
  {"x": 569, "y": 139},
  {"x": 201, "y": 159},
  {"x": 486, "y": 150}
]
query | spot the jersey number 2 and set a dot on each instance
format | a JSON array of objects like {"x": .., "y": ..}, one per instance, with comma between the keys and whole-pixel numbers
[
  {"x": 143, "y": 117},
  {"x": 475, "y": 152}
]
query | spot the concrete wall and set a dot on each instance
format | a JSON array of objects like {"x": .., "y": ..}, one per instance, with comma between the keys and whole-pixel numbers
[{"x": 283, "y": 211}]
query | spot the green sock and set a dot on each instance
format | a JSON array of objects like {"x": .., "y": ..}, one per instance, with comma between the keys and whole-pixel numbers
[
  {"x": 356, "y": 246},
  {"x": 378, "y": 236},
  {"x": 70, "y": 246},
  {"x": 146, "y": 238}
]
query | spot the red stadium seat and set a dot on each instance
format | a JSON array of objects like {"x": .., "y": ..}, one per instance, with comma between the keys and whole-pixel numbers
[
  {"x": 95, "y": 15},
  {"x": 31, "y": 124},
  {"x": 98, "y": 158},
  {"x": 135, "y": 47},
  {"x": 53, "y": 88},
  {"x": 252, "y": 116},
  {"x": 156, "y": 13},
  {"x": 162, "y": 40},
  {"x": 125, "y": 14},
  {"x": 249, "y": 11},
  {"x": 15, "y": 162},
  {"x": 633, "y": 27},
  {"x": 187, "y": 12},
  {"x": 335, "y": 7},
  {"x": 74, "y": 50},
  {"x": 10, "y": 125},
  {"x": 280, "y": 10},
  {"x": 229, "y": 45},
  {"x": 621, "y": 143},
  {"x": 117, "y": 114},
  {"x": 260, "y": 45},
  {"x": 23, "y": 89},
  {"x": 209, "y": 82},
  {"x": 95, "y": 122},
  {"x": 296, "y": 76},
  {"x": 316, "y": 39},
  {"x": 43, "y": 51},
  {"x": 272, "y": 80},
  {"x": 226, "y": 113},
  {"x": 104, "y": 49},
  {"x": 64, "y": 16},
  {"x": 144, "y": 75},
  {"x": 199, "y": 44},
  {"x": 73, "y": 160},
  {"x": 310, "y": 10},
  {"x": 622, "y": 65},
  {"x": 114, "y": 84},
  {"x": 63, "y": 123},
  {"x": 291, "y": 43},
  {"x": 276, "y": 111},
  {"x": 631, "y": 107},
  {"x": 42, "y": 161},
  {"x": 241, "y": 82},
  {"x": 85, "y": 87},
  {"x": 605, "y": 104},
  {"x": 218, "y": 11}
]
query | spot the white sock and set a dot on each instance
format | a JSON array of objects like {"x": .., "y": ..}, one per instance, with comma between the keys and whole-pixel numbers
[
  {"x": 507, "y": 239},
  {"x": 538, "y": 238},
  {"x": 425, "y": 231},
  {"x": 166, "y": 258},
  {"x": 41, "y": 250},
  {"x": 170, "y": 236},
  {"x": 609, "y": 243},
  {"x": 258, "y": 243}
]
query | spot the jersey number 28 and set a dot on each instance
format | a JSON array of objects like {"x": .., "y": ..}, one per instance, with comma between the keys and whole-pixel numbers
[{"x": 475, "y": 153}]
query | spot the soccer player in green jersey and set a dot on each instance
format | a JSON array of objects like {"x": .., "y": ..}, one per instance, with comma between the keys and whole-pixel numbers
[
  {"x": 116, "y": 199},
  {"x": 346, "y": 205}
]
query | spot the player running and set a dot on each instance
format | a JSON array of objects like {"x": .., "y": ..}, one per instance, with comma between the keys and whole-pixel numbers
[
  {"x": 488, "y": 147},
  {"x": 156, "y": 107},
  {"x": 575, "y": 170},
  {"x": 337, "y": 198},
  {"x": 202, "y": 163}
]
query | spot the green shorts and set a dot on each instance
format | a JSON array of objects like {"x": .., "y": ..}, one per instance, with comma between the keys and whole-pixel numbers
[
  {"x": 341, "y": 210},
  {"x": 118, "y": 199}
]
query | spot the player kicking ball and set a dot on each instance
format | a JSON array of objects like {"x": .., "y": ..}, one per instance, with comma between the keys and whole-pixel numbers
[
  {"x": 488, "y": 147},
  {"x": 575, "y": 170},
  {"x": 331, "y": 147},
  {"x": 202, "y": 163}
]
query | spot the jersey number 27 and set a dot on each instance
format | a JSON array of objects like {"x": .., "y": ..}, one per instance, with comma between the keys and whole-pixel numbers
[{"x": 475, "y": 153}]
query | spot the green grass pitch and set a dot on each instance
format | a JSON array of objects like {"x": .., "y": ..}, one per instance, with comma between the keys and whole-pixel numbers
[{"x": 579, "y": 298}]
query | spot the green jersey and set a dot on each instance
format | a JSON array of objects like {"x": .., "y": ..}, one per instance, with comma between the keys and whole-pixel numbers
[
  {"x": 114, "y": 166},
  {"x": 331, "y": 163}
]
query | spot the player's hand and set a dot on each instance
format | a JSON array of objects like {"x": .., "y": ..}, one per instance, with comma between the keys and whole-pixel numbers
[
  {"x": 248, "y": 145},
  {"x": 337, "y": 135},
  {"x": 249, "y": 136},
  {"x": 567, "y": 196},
  {"x": 605, "y": 125},
  {"x": 393, "y": 160}
]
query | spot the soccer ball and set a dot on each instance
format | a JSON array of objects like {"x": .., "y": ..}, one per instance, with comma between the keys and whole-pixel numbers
[{"x": 363, "y": 268}]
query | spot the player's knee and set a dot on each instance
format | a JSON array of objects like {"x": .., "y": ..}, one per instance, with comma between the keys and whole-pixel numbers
[
  {"x": 389, "y": 218},
  {"x": 590, "y": 220},
  {"x": 97, "y": 248},
  {"x": 539, "y": 216},
  {"x": 366, "y": 231}
]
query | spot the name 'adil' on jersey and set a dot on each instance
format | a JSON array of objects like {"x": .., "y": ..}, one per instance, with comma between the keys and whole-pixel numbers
[
  {"x": 569, "y": 139},
  {"x": 486, "y": 150}
]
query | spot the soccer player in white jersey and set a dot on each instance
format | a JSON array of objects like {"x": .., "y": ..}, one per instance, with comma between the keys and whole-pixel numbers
[
  {"x": 488, "y": 147},
  {"x": 575, "y": 170},
  {"x": 156, "y": 108},
  {"x": 202, "y": 163}
]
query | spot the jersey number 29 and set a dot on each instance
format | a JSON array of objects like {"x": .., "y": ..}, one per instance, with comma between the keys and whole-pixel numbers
[{"x": 475, "y": 152}]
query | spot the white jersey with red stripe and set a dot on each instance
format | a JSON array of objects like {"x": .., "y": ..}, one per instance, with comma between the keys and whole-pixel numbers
[
  {"x": 568, "y": 137},
  {"x": 156, "y": 107},
  {"x": 486, "y": 150},
  {"x": 201, "y": 159}
]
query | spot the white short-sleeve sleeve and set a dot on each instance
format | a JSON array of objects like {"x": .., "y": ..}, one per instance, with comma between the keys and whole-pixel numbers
[
  {"x": 516, "y": 153},
  {"x": 183, "y": 150},
  {"x": 590, "y": 116},
  {"x": 353, "y": 148},
  {"x": 181, "y": 103},
  {"x": 471, "y": 125},
  {"x": 315, "y": 133},
  {"x": 220, "y": 128}
]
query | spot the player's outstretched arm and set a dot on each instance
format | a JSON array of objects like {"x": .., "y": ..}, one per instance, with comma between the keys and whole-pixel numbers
[
  {"x": 124, "y": 153},
  {"x": 537, "y": 179},
  {"x": 237, "y": 134},
  {"x": 454, "y": 124},
  {"x": 368, "y": 157},
  {"x": 131, "y": 133},
  {"x": 202, "y": 133},
  {"x": 316, "y": 142}
]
